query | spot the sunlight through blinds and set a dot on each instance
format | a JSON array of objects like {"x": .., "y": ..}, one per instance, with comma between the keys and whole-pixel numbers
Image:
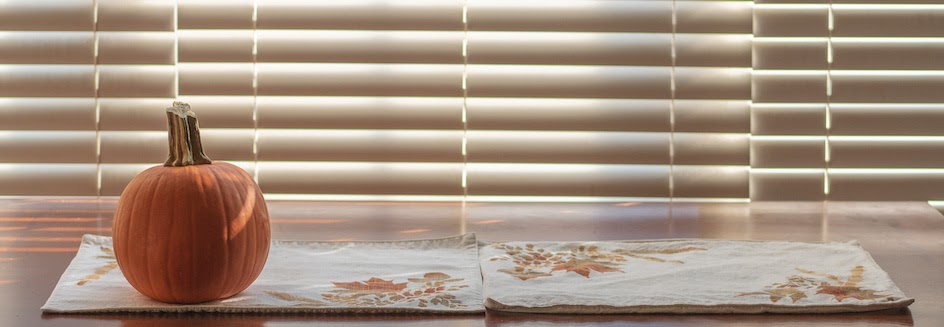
[
  {"x": 500, "y": 100},
  {"x": 847, "y": 100},
  {"x": 609, "y": 98}
]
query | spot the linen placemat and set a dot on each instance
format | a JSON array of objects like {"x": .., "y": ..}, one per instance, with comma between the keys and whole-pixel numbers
[
  {"x": 685, "y": 276},
  {"x": 416, "y": 276}
]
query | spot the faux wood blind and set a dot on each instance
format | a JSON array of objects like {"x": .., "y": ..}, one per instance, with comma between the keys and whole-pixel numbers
[
  {"x": 847, "y": 101},
  {"x": 489, "y": 99}
]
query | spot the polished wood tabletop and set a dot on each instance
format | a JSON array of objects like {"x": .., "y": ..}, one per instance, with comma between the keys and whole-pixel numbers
[{"x": 39, "y": 237}]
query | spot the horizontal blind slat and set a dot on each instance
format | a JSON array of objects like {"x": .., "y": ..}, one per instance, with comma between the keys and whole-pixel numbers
[
  {"x": 360, "y": 145},
  {"x": 788, "y": 151},
  {"x": 782, "y": 86},
  {"x": 360, "y": 79},
  {"x": 47, "y": 80},
  {"x": 712, "y": 83},
  {"x": 135, "y": 15},
  {"x": 790, "y": 53},
  {"x": 346, "y": 14},
  {"x": 360, "y": 46},
  {"x": 568, "y": 179},
  {"x": 711, "y": 149},
  {"x": 885, "y": 184},
  {"x": 360, "y": 112},
  {"x": 151, "y": 146},
  {"x": 717, "y": 50},
  {"x": 790, "y": 119},
  {"x": 360, "y": 178},
  {"x": 136, "y": 48},
  {"x": 224, "y": 14},
  {"x": 569, "y": 81},
  {"x": 898, "y": 53},
  {"x": 47, "y": 47},
  {"x": 885, "y": 152},
  {"x": 215, "y": 45},
  {"x": 47, "y": 15},
  {"x": 888, "y": 20},
  {"x": 137, "y": 81},
  {"x": 710, "y": 181},
  {"x": 568, "y": 114},
  {"x": 714, "y": 16},
  {"x": 712, "y": 116},
  {"x": 568, "y": 48},
  {"x": 568, "y": 147},
  {"x": 887, "y": 86},
  {"x": 215, "y": 78},
  {"x": 47, "y": 114},
  {"x": 800, "y": 20},
  {"x": 887, "y": 119},
  {"x": 47, "y": 146},
  {"x": 148, "y": 114},
  {"x": 787, "y": 184},
  {"x": 577, "y": 16},
  {"x": 49, "y": 179}
]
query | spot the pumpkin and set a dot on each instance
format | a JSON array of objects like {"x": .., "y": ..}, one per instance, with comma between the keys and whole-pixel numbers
[{"x": 192, "y": 230}]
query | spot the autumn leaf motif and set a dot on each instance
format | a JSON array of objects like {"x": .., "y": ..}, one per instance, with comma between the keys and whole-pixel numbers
[
  {"x": 373, "y": 285},
  {"x": 799, "y": 287},
  {"x": 111, "y": 264},
  {"x": 583, "y": 267},
  {"x": 534, "y": 262},
  {"x": 302, "y": 300},
  {"x": 433, "y": 289}
]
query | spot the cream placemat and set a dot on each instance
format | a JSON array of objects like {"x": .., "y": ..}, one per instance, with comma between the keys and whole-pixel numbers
[
  {"x": 419, "y": 276},
  {"x": 684, "y": 276}
]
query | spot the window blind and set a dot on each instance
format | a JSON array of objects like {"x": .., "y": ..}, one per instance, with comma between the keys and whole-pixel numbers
[
  {"x": 846, "y": 100},
  {"x": 483, "y": 99}
]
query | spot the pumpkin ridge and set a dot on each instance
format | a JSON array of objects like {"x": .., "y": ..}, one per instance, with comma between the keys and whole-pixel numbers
[
  {"x": 146, "y": 204},
  {"x": 136, "y": 212},
  {"x": 119, "y": 225},
  {"x": 226, "y": 235},
  {"x": 194, "y": 255},
  {"x": 159, "y": 190},
  {"x": 242, "y": 196},
  {"x": 262, "y": 232},
  {"x": 172, "y": 243}
]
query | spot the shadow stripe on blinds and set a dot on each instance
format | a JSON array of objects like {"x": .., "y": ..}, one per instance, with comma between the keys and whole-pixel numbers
[
  {"x": 846, "y": 100},
  {"x": 399, "y": 97}
]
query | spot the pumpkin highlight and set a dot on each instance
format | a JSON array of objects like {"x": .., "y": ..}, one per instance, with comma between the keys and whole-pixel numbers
[{"x": 191, "y": 230}]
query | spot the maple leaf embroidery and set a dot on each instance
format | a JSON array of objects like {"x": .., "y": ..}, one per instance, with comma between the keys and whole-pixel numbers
[
  {"x": 433, "y": 289},
  {"x": 583, "y": 267},
  {"x": 373, "y": 285},
  {"x": 532, "y": 262},
  {"x": 799, "y": 287}
]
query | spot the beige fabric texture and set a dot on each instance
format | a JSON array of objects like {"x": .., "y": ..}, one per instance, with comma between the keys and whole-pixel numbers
[
  {"x": 685, "y": 276},
  {"x": 417, "y": 276}
]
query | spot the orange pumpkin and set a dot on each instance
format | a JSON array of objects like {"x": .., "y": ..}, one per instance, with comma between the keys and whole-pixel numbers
[{"x": 191, "y": 230}]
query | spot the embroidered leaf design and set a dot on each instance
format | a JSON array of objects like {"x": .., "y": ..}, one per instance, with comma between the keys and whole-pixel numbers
[
  {"x": 380, "y": 292},
  {"x": 373, "y": 285},
  {"x": 293, "y": 298},
  {"x": 583, "y": 267},
  {"x": 779, "y": 293},
  {"x": 101, "y": 271},
  {"x": 832, "y": 285},
  {"x": 108, "y": 254},
  {"x": 533, "y": 262},
  {"x": 524, "y": 275}
]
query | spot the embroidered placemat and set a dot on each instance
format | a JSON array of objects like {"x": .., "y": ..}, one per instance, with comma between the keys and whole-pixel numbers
[
  {"x": 417, "y": 276},
  {"x": 685, "y": 276}
]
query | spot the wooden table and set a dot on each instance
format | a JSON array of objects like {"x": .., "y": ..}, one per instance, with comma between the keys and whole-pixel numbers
[{"x": 38, "y": 238}]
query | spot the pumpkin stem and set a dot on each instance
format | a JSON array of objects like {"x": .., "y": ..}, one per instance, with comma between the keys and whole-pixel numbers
[{"x": 183, "y": 136}]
